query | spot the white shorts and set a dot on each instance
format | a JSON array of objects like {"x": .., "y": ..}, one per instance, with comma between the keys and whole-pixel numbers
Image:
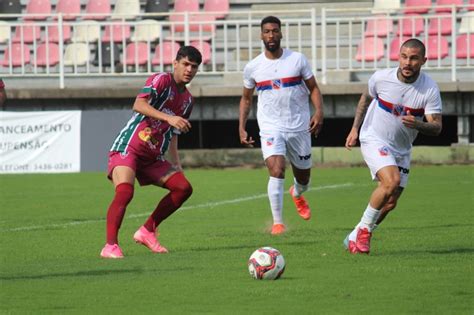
[
  {"x": 296, "y": 146},
  {"x": 378, "y": 155}
]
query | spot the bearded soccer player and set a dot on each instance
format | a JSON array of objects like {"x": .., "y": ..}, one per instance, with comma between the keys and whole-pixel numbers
[
  {"x": 285, "y": 83},
  {"x": 391, "y": 113},
  {"x": 162, "y": 109}
]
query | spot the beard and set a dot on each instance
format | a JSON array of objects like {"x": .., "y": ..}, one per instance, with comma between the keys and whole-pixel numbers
[{"x": 273, "y": 48}]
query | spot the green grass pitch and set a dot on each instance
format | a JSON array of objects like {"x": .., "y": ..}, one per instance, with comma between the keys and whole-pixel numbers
[{"x": 52, "y": 229}]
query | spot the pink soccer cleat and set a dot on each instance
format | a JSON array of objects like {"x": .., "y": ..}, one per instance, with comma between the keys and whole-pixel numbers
[
  {"x": 363, "y": 241},
  {"x": 111, "y": 251},
  {"x": 350, "y": 245},
  {"x": 147, "y": 238},
  {"x": 278, "y": 229},
  {"x": 301, "y": 205}
]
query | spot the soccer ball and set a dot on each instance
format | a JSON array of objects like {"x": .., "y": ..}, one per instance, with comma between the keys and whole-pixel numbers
[{"x": 266, "y": 263}]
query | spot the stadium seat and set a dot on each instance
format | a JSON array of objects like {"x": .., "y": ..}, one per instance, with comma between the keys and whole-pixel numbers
[
  {"x": 381, "y": 26},
  {"x": 137, "y": 54},
  {"x": 167, "y": 56},
  {"x": 440, "y": 24},
  {"x": 204, "y": 48},
  {"x": 465, "y": 46},
  {"x": 219, "y": 8},
  {"x": 186, "y": 5},
  {"x": 10, "y": 7},
  {"x": 411, "y": 25},
  {"x": 116, "y": 32},
  {"x": 437, "y": 47},
  {"x": 146, "y": 30},
  {"x": 458, "y": 3},
  {"x": 70, "y": 9},
  {"x": 370, "y": 49},
  {"x": 417, "y": 6},
  {"x": 39, "y": 9},
  {"x": 467, "y": 23},
  {"x": 204, "y": 23},
  {"x": 30, "y": 31},
  {"x": 126, "y": 9},
  {"x": 157, "y": 6},
  {"x": 470, "y": 7},
  {"x": 76, "y": 54},
  {"x": 97, "y": 9},
  {"x": 47, "y": 55},
  {"x": 19, "y": 54},
  {"x": 107, "y": 54},
  {"x": 52, "y": 34},
  {"x": 384, "y": 6},
  {"x": 5, "y": 32},
  {"x": 86, "y": 31},
  {"x": 395, "y": 47}
]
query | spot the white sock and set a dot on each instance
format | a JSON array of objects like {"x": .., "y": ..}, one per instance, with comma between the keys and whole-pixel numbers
[
  {"x": 299, "y": 189},
  {"x": 369, "y": 218},
  {"x": 275, "y": 195}
]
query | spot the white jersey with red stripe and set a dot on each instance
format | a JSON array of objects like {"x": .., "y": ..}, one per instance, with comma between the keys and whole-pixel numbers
[
  {"x": 283, "y": 102},
  {"x": 392, "y": 100}
]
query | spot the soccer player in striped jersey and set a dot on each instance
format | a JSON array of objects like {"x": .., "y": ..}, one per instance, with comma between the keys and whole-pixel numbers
[
  {"x": 391, "y": 113},
  {"x": 284, "y": 83},
  {"x": 161, "y": 112}
]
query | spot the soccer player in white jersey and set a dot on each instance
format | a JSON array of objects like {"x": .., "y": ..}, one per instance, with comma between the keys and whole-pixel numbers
[
  {"x": 284, "y": 82},
  {"x": 391, "y": 112}
]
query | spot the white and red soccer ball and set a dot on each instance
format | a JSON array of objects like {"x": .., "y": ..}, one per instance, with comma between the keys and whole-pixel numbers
[{"x": 266, "y": 263}]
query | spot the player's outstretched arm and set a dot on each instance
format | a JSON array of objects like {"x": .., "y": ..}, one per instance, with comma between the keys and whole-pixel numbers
[
  {"x": 141, "y": 106},
  {"x": 244, "y": 111},
  {"x": 316, "y": 122},
  {"x": 173, "y": 152},
  {"x": 432, "y": 126},
  {"x": 359, "y": 116}
]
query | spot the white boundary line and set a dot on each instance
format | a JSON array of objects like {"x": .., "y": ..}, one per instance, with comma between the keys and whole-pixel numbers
[{"x": 202, "y": 205}]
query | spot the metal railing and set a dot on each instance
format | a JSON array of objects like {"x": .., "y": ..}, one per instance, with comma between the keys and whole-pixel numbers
[{"x": 332, "y": 41}]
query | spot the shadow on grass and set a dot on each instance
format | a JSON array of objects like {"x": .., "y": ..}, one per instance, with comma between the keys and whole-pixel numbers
[
  {"x": 88, "y": 273},
  {"x": 252, "y": 247},
  {"x": 450, "y": 251}
]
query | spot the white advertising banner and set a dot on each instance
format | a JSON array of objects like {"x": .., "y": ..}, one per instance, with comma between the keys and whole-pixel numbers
[{"x": 40, "y": 142}]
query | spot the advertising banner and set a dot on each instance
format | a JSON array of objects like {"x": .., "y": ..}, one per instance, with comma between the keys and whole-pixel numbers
[{"x": 40, "y": 142}]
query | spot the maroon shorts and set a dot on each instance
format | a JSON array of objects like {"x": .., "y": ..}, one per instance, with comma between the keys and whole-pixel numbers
[{"x": 147, "y": 172}]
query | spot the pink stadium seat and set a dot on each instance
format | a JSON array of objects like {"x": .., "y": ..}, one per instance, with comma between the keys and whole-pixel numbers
[
  {"x": 40, "y": 7},
  {"x": 53, "y": 34},
  {"x": 395, "y": 47},
  {"x": 470, "y": 7},
  {"x": 219, "y": 8},
  {"x": 31, "y": 33},
  {"x": 186, "y": 5},
  {"x": 137, "y": 53},
  {"x": 205, "y": 22},
  {"x": 69, "y": 8},
  {"x": 437, "y": 47},
  {"x": 465, "y": 46},
  {"x": 97, "y": 9},
  {"x": 380, "y": 27},
  {"x": 204, "y": 48},
  {"x": 169, "y": 53},
  {"x": 440, "y": 24},
  {"x": 117, "y": 32},
  {"x": 370, "y": 49},
  {"x": 447, "y": 2},
  {"x": 20, "y": 55},
  {"x": 47, "y": 55},
  {"x": 423, "y": 6},
  {"x": 411, "y": 25}
]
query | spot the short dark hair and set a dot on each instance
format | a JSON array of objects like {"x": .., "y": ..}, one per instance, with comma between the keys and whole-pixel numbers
[
  {"x": 270, "y": 19},
  {"x": 191, "y": 52},
  {"x": 415, "y": 43}
]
